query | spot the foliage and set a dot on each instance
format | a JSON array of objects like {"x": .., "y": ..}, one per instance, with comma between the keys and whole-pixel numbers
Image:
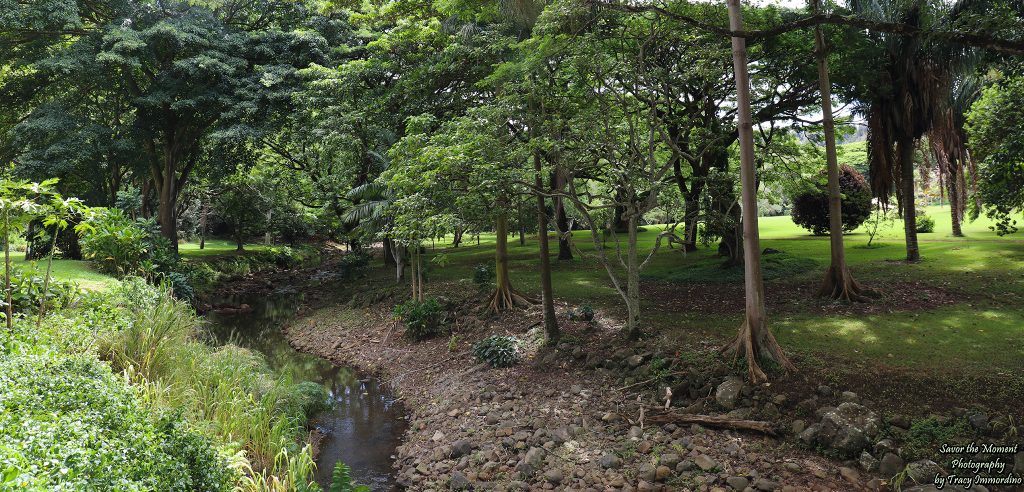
[
  {"x": 354, "y": 262},
  {"x": 924, "y": 223},
  {"x": 341, "y": 480},
  {"x": 423, "y": 319},
  {"x": 879, "y": 218},
  {"x": 483, "y": 275},
  {"x": 926, "y": 435},
  {"x": 28, "y": 286},
  {"x": 115, "y": 243},
  {"x": 995, "y": 124},
  {"x": 498, "y": 350},
  {"x": 582, "y": 313},
  {"x": 103, "y": 437},
  {"x": 811, "y": 209}
]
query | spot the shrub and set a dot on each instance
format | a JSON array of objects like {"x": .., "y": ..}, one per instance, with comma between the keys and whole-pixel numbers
[
  {"x": 27, "y": 291},
  {"x": 74, "y": 425},
  {"x": 926, "y": 435},
  {"x": 924, "y": 223},
  {"x": 582, "y": 313},
  {"x": 810, "y": 207},
  {"x": 498, "y": 350},
  {"x": 484, "y": 275},
  {"x": 354, "y": 262},
  {"x": 115, "y": 243},
  {"x": 423, "y": 320}
]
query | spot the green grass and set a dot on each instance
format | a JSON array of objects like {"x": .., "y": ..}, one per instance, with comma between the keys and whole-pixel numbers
[
  {"x": 215, "y": 247},
  {"x": 80, "y": 272},
  {"x": 980, "y": 334}
]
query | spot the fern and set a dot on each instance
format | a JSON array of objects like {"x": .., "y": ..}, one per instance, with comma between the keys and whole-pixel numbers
[{"x": 341, "y": 480}]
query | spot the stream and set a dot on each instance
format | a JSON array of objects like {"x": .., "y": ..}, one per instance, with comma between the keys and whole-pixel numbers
[{"x": 365, "y": 425}]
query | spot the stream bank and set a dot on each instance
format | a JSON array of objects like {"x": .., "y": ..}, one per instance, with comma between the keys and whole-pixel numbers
[{"x": 365, "y": 422}]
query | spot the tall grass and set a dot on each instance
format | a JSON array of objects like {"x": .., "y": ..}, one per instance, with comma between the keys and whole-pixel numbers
[{"x": 229, "y": 392}]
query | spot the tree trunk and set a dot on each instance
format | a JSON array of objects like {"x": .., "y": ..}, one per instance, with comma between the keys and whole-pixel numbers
[
  {"x": 167, "y": 213},
  {"x": 956, "y": 184},
  {"x": 522, "y": 225},
  {"x": 204, "y": 212},
  {"x": 266, "y": 234},
  {"x": 905, "y": 147},
  {"x": 547, "y": 300},
  {"x": 562, "y": 220},
  {"x": 504, "y": 297},
  {"x": 755, "y": 340},
  {"x": 389, "y": 254},
  {"x": 457, "y": 237},
  {"x": 839, "y": 283},
  {"x": 632, "y": 279},
  {"x": 691, "y": 214},
  {"x": 238, "y": 239}
]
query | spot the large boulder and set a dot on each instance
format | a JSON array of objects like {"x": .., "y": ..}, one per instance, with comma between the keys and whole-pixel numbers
[
  {"x": 728, "y": 393},
  {"x": 847, "y": 429}
]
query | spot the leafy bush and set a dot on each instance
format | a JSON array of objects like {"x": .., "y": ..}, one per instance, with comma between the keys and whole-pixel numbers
[
  {"x": 341, "y": 480},
  {"x": 582, "y": 313},
  {"x": 498, "y": 350},
  {"x": 484, "y": 275},
  {"x": 354, "y": 262},
  {"x": 69, "y": 423},
  {"x": 924, "y": 223},
  {"x": 115, "y": 243},
  {"x": 810, "y": 208},
  {"x": 27, "y": 291},
  {"x": 423, "y": 320}
]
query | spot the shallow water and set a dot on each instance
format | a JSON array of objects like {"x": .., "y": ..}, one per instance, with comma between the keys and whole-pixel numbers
[{"x": 365, "y": 425}]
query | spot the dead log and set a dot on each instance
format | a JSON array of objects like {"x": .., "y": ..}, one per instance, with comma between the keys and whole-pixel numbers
[{"x": 658, "y": 416}]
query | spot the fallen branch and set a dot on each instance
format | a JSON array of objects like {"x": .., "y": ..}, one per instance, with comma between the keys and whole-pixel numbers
[{"x": 663, "y": 417}]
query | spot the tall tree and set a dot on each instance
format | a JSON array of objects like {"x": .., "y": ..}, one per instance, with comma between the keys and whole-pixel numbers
[{"x": 755, "y": 340}]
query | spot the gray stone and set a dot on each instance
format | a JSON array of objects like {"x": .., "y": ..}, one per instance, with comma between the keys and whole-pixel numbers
[
  {"x": 609, "y": 461},
  {"x": 535, "y": 457},
  {"x": 923, "y": 471},
  {"x": 979, "y": 422},
  {"x": 890, "y": 465},
  {"x": 765, "y": 485},
  {"x": 461, "y": 448},
  {"x": 728, "y": 393},
  {"x": 458, "y": 481},
  {"x": 634, "y": 360},
  {"x": 685, "y": 466},
  {"x": 670, "y": 460},
  {"x": 849, "y": 474},
  {"x": 646, "y": 472},
  {"x": 798, "y": 427},
  {"x": 824, "y": 390},
  {"x": 867, "y": 462},
  {"x": 635, "y": 432},
  {"x": 554, "y": 476},
  {"x": 738, "y": 483},
  {"x": 848, "y": 396},
  {"x": 705, "y": 462}
]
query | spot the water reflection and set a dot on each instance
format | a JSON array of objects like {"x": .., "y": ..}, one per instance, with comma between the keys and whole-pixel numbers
[{"x": 365, "y": 425}]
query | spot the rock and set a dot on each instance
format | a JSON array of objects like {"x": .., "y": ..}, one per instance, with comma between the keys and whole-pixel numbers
[
  {"x": 867, "y": 462},
  {"x": 670, "y": 460},
  {"x": 848, "y": 396},
  {"x": 728, "y": 393},
  {"x": 646, "y": 472},
  {"x": 662, "y": 473},
  {"x": 810, "y": 435},
  {"x": 458, "y": 481},
  {"x": 824, "y": 390},
  {"x": 534, "y": 457},
  {"x": 890, "y": 465},
  {"x": 554, "y": 476},
  {"x": 644, "y": 486},
  {"x": 738, "y": 483},
  {"x": 846, "y": 429},
  {"x": 576, "y": 389},
  {"x": 461, "y": 448},
  {"x": 1018, "y": 463},
  {"x": 883, "y": 446},
  {"x": 705, "y": 462},
  {"x": 438, "y": 436},
  {"x": 634, "y": 361},
  {"x": 740, "y": 413},
  {"x": 923, "y": 471},
  {"x": 979, "y": 422},
  {"x": 849, "y": 474},
  {"x": 609, "y": 461},
  {"x": 765, "y": 485},
  {"x": 685, "y": 466},
  {"x": 635, "y": 433}
]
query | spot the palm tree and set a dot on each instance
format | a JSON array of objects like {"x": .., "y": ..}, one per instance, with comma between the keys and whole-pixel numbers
[
  {"x": 371, "y": 202},
  {"x": 949, "y": 144},
  {"x": 906, "y": 96}
]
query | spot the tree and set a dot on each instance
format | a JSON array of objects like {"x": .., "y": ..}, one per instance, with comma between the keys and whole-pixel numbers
[
  {"x": 994, "y": 126},
  {"x": 755, "y": 340}
]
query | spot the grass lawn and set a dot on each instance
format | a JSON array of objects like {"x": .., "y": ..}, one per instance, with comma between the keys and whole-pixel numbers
[{"x": 957, "y": 312}]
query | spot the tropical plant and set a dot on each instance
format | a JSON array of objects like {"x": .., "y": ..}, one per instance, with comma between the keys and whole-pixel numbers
[
  {"x": 498, "y": 350},
  {"x": 423, "y": 319},
  {"x": 811, "y": 211},
  {"x": 341, "y": 480}
]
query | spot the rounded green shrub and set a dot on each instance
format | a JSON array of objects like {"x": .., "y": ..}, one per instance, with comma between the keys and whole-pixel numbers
[
  {"x": 423, "y": 320},
  {"x": 810, "y": 207},
  {"x": 924, "y": 223},
  {"x": 498, "y": 350}
]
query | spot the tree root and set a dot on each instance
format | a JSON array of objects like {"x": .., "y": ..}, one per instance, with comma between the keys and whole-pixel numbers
[
  {"x": 840, "y": 285},
  {"x": 756, "y": 342},
  {"x": 505, "y": 299}
]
